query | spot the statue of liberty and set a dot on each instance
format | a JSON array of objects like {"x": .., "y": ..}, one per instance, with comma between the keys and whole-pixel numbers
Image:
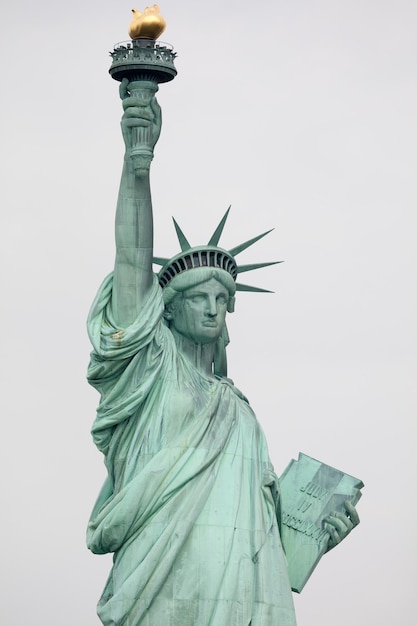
[{"x": 191, "y": 506}]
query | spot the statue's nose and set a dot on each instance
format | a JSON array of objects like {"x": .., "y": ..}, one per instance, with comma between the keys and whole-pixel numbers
[{"x": 212, "y": 307}]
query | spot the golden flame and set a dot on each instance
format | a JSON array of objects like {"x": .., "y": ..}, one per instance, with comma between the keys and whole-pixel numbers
[{"x": 150, "y": 24}]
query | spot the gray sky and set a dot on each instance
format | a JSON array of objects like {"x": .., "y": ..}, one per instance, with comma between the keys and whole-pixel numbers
[{"x": 300, "y": 114}]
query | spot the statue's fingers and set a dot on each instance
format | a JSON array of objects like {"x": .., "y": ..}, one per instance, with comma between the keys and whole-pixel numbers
[
  {"x": 345, "y": 521},
  {"x": 334, "y": 536},
  {"x": 135, "y": 117},
  {"x": 138, "y": 112},
  {"x": 339, "y": 521},
  {"x": 132, "y": 122},
  {"x": 352, "y": 512},
  {"x": 123, "y": 91},
  {"x": 156, "y": 109}
]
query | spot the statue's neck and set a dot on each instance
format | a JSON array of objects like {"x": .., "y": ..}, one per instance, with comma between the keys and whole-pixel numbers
[{"x": 199, "y": 355}]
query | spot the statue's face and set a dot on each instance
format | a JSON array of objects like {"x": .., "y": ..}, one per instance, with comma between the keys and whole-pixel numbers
[{"x": 199, "y": 313}]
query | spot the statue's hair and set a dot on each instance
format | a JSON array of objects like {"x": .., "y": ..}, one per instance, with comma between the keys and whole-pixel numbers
[{"x": 197, "y": 276}]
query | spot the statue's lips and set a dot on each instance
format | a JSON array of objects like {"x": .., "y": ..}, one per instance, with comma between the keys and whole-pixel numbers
[{"x": 210, "y": 324}]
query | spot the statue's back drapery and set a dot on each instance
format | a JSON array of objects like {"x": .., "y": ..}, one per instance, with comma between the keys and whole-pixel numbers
[{"x": 190, "y": 506}]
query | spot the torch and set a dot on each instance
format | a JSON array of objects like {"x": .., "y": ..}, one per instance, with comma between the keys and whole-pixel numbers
[{"x": 145, "y": 63}]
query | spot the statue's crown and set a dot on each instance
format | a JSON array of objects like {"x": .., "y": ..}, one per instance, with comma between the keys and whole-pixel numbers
[{"x": 209, "y": 255}]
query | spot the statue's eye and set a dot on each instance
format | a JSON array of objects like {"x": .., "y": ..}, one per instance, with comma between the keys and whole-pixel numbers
[
  {"x": 196, "y": 298},
  {"x": 221, "y": 299}
]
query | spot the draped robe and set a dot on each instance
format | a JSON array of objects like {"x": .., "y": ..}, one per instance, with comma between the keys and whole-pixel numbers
[{"x": 190, "y": 506}]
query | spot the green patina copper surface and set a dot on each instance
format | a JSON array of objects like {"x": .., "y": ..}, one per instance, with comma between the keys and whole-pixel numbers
[{"x": 190, "y": 507}]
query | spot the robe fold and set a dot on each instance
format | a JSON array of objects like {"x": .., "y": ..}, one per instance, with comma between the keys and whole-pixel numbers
[{"x": 190, "y": 506}]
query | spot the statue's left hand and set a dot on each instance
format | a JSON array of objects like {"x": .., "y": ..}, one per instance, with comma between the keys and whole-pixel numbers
[{"x": 339, "y": 525}]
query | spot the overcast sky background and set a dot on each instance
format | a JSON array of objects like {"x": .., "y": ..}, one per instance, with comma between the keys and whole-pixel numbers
[{"x": 301, "y": 114}]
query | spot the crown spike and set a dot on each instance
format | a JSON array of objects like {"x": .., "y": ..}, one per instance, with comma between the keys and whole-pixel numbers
[
  {"x": 181, "y": 237},
  {"x": 247, "y": 244},
  {"x": 240, "y": 287},
  {"x": 210, "y": 256},
  {"x": 219, "y": 230},
  {"x": 255, "y": 266},
  {"x": 160, "y": 260}
]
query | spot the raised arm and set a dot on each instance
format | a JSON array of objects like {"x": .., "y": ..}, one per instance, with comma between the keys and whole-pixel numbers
[{"x": 141, "y": 125}]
